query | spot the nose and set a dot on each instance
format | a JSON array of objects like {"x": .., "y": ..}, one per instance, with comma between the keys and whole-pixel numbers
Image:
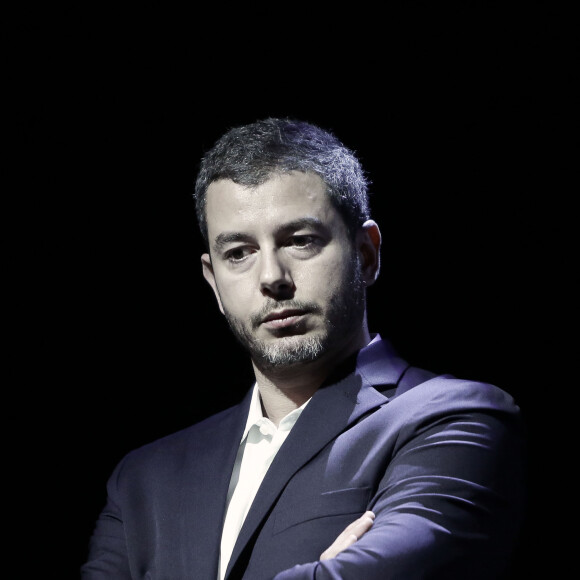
[{"x": 275, "y": 276}]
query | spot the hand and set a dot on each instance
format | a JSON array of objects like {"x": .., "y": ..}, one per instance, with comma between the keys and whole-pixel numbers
[{"x": 349, "y": 535}]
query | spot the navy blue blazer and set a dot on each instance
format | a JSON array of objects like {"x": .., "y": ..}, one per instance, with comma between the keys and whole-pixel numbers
[{"x": 438, "y": 459}]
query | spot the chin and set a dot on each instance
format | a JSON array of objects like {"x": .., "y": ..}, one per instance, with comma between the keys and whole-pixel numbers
[{"x": 289, "y": 350}]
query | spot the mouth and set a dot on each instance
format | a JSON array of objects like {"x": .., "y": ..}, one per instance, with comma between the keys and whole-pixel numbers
[{"x": 283, "y": 319}]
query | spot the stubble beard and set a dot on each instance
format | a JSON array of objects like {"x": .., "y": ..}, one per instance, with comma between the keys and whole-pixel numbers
[{"x": 345, "y": 315}]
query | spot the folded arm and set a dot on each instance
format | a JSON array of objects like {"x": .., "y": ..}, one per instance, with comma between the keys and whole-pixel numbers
[{"x": 448, "y": 507}]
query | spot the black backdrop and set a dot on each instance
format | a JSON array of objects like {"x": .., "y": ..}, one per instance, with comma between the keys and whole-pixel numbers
[{"x": 463, "y": 118}]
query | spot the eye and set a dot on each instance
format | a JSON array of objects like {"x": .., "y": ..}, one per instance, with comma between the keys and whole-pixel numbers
[
  {"x": 239, "y": 254},
  {"x": 303, "y": 241}
]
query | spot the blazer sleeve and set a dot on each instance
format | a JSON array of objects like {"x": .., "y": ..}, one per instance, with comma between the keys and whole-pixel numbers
[
  {"x": 451, "y": 500},
  {"x": 108, "y": 556}
]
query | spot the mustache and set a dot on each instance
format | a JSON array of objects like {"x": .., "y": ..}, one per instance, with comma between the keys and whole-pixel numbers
[{"x": 273, "y": 305}]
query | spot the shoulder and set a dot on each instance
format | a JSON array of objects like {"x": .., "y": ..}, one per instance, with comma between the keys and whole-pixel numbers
[
  {"x": 446, "y": 399},
  {"x": 168, "y": 453},
  {"x": 449, "y": 392}
]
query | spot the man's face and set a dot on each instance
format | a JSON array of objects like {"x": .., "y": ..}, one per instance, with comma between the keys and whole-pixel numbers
[{"x": 284, "y": 270}]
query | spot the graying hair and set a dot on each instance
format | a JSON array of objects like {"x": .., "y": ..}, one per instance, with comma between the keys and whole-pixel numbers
[{"x": 250, "y": 154}]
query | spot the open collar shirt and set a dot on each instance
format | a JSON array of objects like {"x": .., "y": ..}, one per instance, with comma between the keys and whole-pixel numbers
[{"x": 260, "y": 442}]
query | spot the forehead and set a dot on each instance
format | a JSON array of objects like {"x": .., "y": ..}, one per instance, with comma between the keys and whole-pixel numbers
[{"x": 282, "y": 199}]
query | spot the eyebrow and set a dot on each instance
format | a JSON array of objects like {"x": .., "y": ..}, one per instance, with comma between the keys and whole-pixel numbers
[{"x": 225, "y": 238}]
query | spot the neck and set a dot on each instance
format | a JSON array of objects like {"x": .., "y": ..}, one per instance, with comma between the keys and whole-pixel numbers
[
  {"x": 284, "y": 389},
  {"x": 277, "y": 402}
]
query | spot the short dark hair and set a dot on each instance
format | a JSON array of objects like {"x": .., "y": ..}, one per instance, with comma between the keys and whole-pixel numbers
[{"x": 250, "y": 154}]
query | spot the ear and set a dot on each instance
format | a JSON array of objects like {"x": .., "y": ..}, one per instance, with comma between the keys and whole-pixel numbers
[
  {"x": 208, "y": 274},
  {"x": 369, "y": 247}
]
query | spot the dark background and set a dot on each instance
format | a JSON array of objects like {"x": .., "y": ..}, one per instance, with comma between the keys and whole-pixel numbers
[{"x": 463, "y": 117}]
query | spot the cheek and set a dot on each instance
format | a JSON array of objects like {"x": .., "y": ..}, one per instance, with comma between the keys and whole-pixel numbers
[
  {"x": 325, "y": 280},
  {"x": 236, "y": 295}
]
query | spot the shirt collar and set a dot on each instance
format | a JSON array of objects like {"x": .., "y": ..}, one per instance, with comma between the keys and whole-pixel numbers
[
  {"x": 256, "y": 417},
  {"x": 255, "y": 412}
]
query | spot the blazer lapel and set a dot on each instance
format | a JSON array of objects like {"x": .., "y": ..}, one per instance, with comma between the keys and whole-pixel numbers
[
  {"x": 205, "y": 483},
  {"x": 331, "y": 410}
]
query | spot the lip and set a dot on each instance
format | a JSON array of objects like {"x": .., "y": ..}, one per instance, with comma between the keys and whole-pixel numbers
[{"x": 283, "y": 318}]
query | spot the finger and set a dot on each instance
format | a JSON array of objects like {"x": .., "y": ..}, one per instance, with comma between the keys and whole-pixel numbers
[
  {"x": 363, "y": 524},
  {"x": 360, "y": 526},
  {"x": 351, "y": 534}
]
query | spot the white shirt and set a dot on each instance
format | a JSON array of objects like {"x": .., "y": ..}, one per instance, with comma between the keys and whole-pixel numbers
[{"x": 258, "y": 447}]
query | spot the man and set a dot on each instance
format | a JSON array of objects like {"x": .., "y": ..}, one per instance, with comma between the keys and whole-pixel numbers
[{"x": 342, "y": 460}]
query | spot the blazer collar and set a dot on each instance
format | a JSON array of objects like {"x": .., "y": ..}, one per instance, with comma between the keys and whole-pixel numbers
[{"x": 379, "y": 363}]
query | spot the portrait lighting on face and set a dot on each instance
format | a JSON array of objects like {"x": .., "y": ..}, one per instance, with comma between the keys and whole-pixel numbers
[{"x": 340, "y": 458}]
